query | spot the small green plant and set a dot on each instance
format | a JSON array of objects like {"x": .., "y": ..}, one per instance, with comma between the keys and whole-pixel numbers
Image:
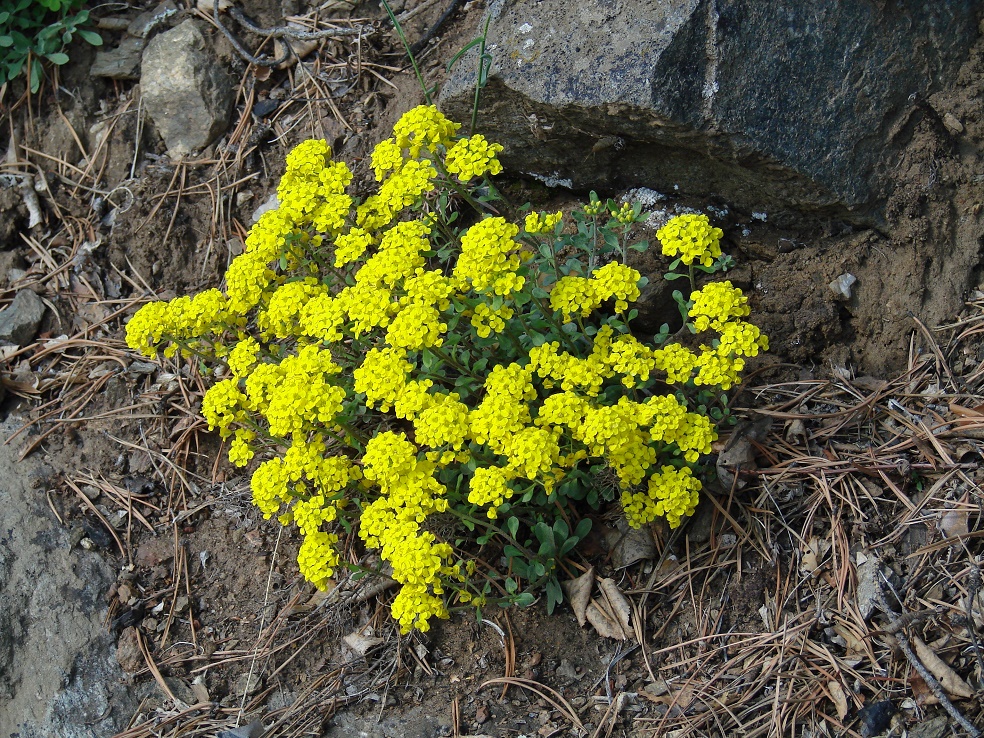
[
  {"x": 456, "y": 388},
  {"x": 32, "y": 30}
]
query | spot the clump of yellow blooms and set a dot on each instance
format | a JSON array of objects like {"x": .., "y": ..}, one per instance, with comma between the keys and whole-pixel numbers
[
  {"x": 691, "y": 238},
  {"x": 385, "y": 364}
]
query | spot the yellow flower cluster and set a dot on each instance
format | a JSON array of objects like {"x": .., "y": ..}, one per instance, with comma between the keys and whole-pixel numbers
[
  {"x": 326, "y": 282},
  {"x": 488, "y": 259},
  {"x": 473, "y": 157},
  {"x": 310, "y": 483},
  {"x": 692, "y": 238},
  {"x": 185, "y": 321},
  {"x": 392, "y": 524},
  {"x": 581, "y": 295},
  {"x": 541, "y": 223},
  {"x": 717, "y": 303},
  {"x": 487, "y": 321},
  {"x": 672, "y": 493}
]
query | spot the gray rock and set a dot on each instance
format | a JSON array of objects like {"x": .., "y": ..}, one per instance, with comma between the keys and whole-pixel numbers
[
  {"x": 795, "y": 104},
  {"x": 123, "y": 62},
  {"x": 186, "y": 90},
  {"x": 20, "y": 320},
  {"x": 58, "y": 673}
]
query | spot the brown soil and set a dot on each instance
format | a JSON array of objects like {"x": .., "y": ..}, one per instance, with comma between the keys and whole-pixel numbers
[{"x": 214, "y": 593}]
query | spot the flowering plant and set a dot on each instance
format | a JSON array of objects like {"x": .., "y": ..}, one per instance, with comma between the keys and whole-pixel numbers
[{"x": 394, "y": 361}]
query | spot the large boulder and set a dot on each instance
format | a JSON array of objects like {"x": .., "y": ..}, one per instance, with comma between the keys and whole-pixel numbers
[
  {"x": 796, "y": 104},
  {"x": 186, "y": 90}
]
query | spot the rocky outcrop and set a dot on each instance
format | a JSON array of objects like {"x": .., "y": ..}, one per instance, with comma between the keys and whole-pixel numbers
[
  {"x": 798, "y": 105},
  {"x": 186, "y": 90}
]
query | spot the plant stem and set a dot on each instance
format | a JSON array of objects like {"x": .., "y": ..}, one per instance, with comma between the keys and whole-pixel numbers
[
  {"x": 406, "y": 45},
  {"x": 445, "y": 357},
  {"x": 482, "y": 71}
]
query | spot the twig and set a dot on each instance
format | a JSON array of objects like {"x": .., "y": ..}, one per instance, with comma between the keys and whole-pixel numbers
[
  {"x": 931, "y": 681},
  {"x": 973, "y": 587}
]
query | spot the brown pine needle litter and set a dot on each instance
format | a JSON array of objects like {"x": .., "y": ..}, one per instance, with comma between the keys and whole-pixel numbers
[{"x": 855, "y": 536}]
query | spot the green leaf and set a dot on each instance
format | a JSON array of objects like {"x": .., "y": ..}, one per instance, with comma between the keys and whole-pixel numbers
[
  {"x": 511, "y": 585},
  {"x": 35, "y": 75},
  {"x": 524, "y": 599},
  {"x": 673, "y": 275},
  {"x": 91, "y": 37},
  {"x": 583, "y": 528},
  {"x": 555, "y": 594},
  {"x": 470, "y": 45},
  {"x": 512, "y": 525},
  {"x": 511, "y": 552},
  {"x": 58, "y": 58},
  {"x": 640, "y": 246},
  {"x": 6, "y": 42},
  {"x": 561, "y": 530}
]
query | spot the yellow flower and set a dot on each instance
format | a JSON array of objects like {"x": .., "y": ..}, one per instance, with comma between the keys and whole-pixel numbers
[
  {"x": 487, "y": 321},
  {"x": 715, "y": 304},
  {"x": 539, "y": 223},
  {"x": 672, "y": 493},
  {"x": 382, "y": 376},
  {"x": 490, "y": 486},
  {"x": 386, "y": 157},
  {"x": 473, "y": 157},
  {"x": 692, "y": 238},
  {"x": 488, "y": 259},
  {"x": 423, "y": 127}
]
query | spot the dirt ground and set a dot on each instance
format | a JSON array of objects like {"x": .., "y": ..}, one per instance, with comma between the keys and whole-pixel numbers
[{"x": 752, "y": 622}]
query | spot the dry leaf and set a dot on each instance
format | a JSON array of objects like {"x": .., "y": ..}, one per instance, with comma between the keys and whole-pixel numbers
[
  {"x": 869, "y": 586},
  {"x": 200, "y": 691},
  {"x": 921, "y": 692},
  {"x": 796, "y": 432},
  {"x": 950, "y": 680},
  {"x": 578, "y": 592},
  {"x": 609, "y": 614},
  {"x": 953, "y": 522},
  {"x": 361, "y": 643},
  {"x": 966, "y": 412},
  {"x": 838, "y": 697},
  {"x": 815, "y": 551}
]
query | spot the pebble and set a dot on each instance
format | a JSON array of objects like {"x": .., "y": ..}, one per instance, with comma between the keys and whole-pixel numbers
[
  {"x": 128, "y": 653},
  {"x": 19, "y": 321},
  {"x": 843, "y": 285},
  {"x": 952, "y": 123}
]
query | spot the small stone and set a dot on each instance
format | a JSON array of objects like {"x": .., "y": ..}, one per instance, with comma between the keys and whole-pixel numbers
[
  {"x": 952, "y": 123},
  {"x": 128, "y": 653},
  {"x": 568, "y": 670},
  {"x": 842, "y": 286},
  {"x": 87, "y": 544},
  {"x": 154, "y": 551},
  {"x": 186, "y": 90},
  {"x": 247, "y": 684},
  {"x": 19, "y": 321},
  {"x": 123, "y": 62}
]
